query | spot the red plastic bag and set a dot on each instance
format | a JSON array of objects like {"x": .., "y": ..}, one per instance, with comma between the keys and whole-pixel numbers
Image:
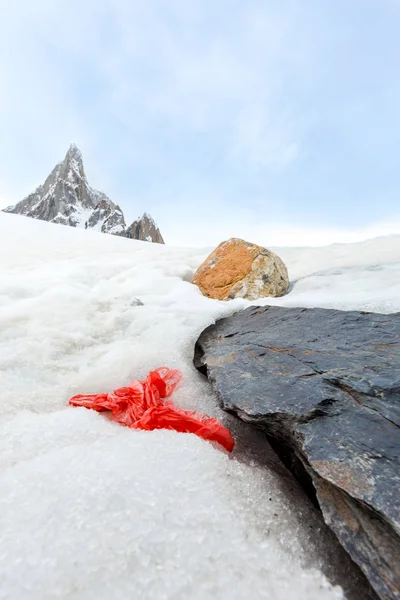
[{"x": 141, "y": 405}]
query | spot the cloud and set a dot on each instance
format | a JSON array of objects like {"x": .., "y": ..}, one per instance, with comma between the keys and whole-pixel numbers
[
  {"x": 220, "y": 71},
  {"x": 193, "y": 110},
  {"x": 84, "y": 71},
  {"x": 260, "y": 141},
  {"x": 208, "y": 234}
]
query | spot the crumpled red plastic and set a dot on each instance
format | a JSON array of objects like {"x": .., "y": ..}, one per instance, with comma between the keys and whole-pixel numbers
[{"x": 141, "y": 405}]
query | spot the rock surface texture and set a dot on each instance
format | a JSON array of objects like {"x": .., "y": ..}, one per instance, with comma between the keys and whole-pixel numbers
[
  {"x": 238, "y": 269},
  {"x": 325, "y": 386},
  {"x": 67, "y": 198}
]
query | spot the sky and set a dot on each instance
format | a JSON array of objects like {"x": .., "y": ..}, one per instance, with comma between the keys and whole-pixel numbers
[{"x": 273, "y": 120}]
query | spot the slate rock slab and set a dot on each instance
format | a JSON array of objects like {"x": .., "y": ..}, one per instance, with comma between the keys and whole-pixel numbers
[{"x": 325, "y": 386}]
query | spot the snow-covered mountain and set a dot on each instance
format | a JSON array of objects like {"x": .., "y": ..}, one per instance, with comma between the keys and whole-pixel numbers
[{"x": 67, "y": 198}]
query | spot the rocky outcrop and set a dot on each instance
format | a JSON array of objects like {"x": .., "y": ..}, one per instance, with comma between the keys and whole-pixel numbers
[
  {"x": 238, "y": 269},
  {"x": 325, "y": 387},
  {"x": 67, "y": 198},
  {"x": 145, "y": 229}
]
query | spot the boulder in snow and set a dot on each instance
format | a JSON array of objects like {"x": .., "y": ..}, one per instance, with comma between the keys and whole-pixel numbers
[
  {"x": 325, "y": 387},
  {"x": 239, "y": 269}
]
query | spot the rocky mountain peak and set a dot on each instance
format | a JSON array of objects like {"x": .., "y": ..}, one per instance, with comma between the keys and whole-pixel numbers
[
  {"x": 144, "y": 228},
  {"x": 67, "y": 198},
  {"x": 73, "y": 161},
  {"x": 73, "y": 151}
]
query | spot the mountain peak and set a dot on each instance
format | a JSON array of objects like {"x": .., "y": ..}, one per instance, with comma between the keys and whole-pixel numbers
[
  {"x": 67, "y": 198},
  {"x": 73, "y": 160},
  {"x": 145, "y": 228},
  {"x": 74, "y": 150}
]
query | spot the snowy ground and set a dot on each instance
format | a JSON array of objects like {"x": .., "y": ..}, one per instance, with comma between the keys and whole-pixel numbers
[{"x": 91, "y": 510}]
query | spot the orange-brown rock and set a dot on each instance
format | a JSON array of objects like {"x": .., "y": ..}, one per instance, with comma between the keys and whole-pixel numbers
[{"x": 238, "y": 269}]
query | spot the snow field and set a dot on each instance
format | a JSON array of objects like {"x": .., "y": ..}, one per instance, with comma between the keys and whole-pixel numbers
[{"x": 89, "y": 509}]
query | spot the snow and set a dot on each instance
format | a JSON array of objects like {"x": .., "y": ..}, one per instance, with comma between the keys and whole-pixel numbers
[
  {"x": 360, "y": 276},
  {"x": 81, "y": 215},
  {"x": 116, "y": 229},
  {"x": 89, "y": 509}
]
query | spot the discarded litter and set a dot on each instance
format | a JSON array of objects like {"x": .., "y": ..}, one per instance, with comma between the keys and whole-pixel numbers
[{"x": 141, "y": 405}]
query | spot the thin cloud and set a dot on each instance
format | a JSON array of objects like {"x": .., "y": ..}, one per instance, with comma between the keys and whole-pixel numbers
[{"x": 183, "y": 108}]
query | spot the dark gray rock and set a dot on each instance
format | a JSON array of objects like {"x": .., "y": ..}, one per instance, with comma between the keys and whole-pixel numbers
[
  {"x": 67, "y": 198},
  {"x": 137, "y": 302},
  {"x": 325, "y": 386}
]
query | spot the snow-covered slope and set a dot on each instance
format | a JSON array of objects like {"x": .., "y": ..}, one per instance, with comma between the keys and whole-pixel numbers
[
  {"x": 91, "y": 510},
  {"x": 67, "y": 198},
  {"x": 361, "y": 276}
]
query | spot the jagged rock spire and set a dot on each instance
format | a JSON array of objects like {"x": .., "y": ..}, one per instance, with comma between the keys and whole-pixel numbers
[
  {"x": 67, "y": 198},
  {"x": 74, "y": 159},
  {"x": 144, "y": 228}
]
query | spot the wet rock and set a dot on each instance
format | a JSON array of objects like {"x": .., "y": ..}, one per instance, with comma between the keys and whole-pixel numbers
[{"x": 325, "y": 387}]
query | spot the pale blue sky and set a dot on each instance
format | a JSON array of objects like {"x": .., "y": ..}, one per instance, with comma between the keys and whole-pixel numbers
[{"x": 273, "y": 120}]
